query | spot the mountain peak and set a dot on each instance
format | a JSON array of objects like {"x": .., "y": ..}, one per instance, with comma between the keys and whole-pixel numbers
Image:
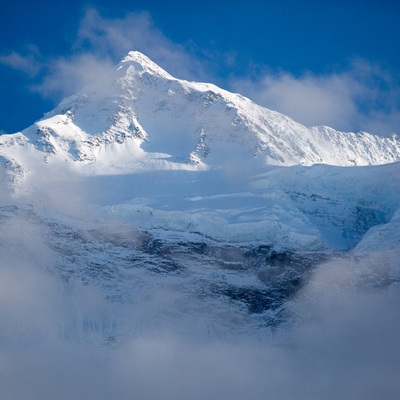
[
  {"x": 141, "y": 64},
  {"x": 176, "y": 124}
]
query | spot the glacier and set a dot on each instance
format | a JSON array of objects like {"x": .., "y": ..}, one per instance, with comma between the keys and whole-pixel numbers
[{"x": 146, "y": 205}]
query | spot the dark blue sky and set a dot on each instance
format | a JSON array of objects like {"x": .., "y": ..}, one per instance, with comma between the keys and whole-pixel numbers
[{"x": 342, "y": 57}]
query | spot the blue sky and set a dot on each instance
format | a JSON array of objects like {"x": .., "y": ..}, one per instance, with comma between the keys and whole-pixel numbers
[{"x": 333, "y": 62}]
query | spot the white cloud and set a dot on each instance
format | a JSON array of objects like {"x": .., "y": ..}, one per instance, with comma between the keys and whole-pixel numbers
[
  {"x": 363, "y": 97},
  {"x": 137, "y": 31},
  {"x": 67, "y": 75},
  {"x": 27, "y": 64},
  {"x": 306, "y": 99}
]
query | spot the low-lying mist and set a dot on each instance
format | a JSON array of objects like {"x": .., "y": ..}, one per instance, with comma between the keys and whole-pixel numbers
[{"x": 340, "y": 341}]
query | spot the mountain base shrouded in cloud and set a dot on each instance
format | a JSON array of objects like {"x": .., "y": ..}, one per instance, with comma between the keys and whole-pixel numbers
[{"x": 168, "y": 239}]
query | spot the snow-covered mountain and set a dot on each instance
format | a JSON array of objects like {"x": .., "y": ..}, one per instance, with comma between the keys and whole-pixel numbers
[
  {"x": 139, "y": 116},
  {"x": 143, "y": 184}
]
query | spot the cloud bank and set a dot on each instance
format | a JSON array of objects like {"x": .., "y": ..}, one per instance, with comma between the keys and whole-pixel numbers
[
  {"x": 361, "y": 97},
  {"x": 343, "y": 345}
]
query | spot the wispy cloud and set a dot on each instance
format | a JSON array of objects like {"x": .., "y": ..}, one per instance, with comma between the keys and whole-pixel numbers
[
  {"x": 362, "y": 97},
  {"x": 67, "y": 75},
  {"x": 27, "y": 64},
  {"x": 136, "y": 31}
]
